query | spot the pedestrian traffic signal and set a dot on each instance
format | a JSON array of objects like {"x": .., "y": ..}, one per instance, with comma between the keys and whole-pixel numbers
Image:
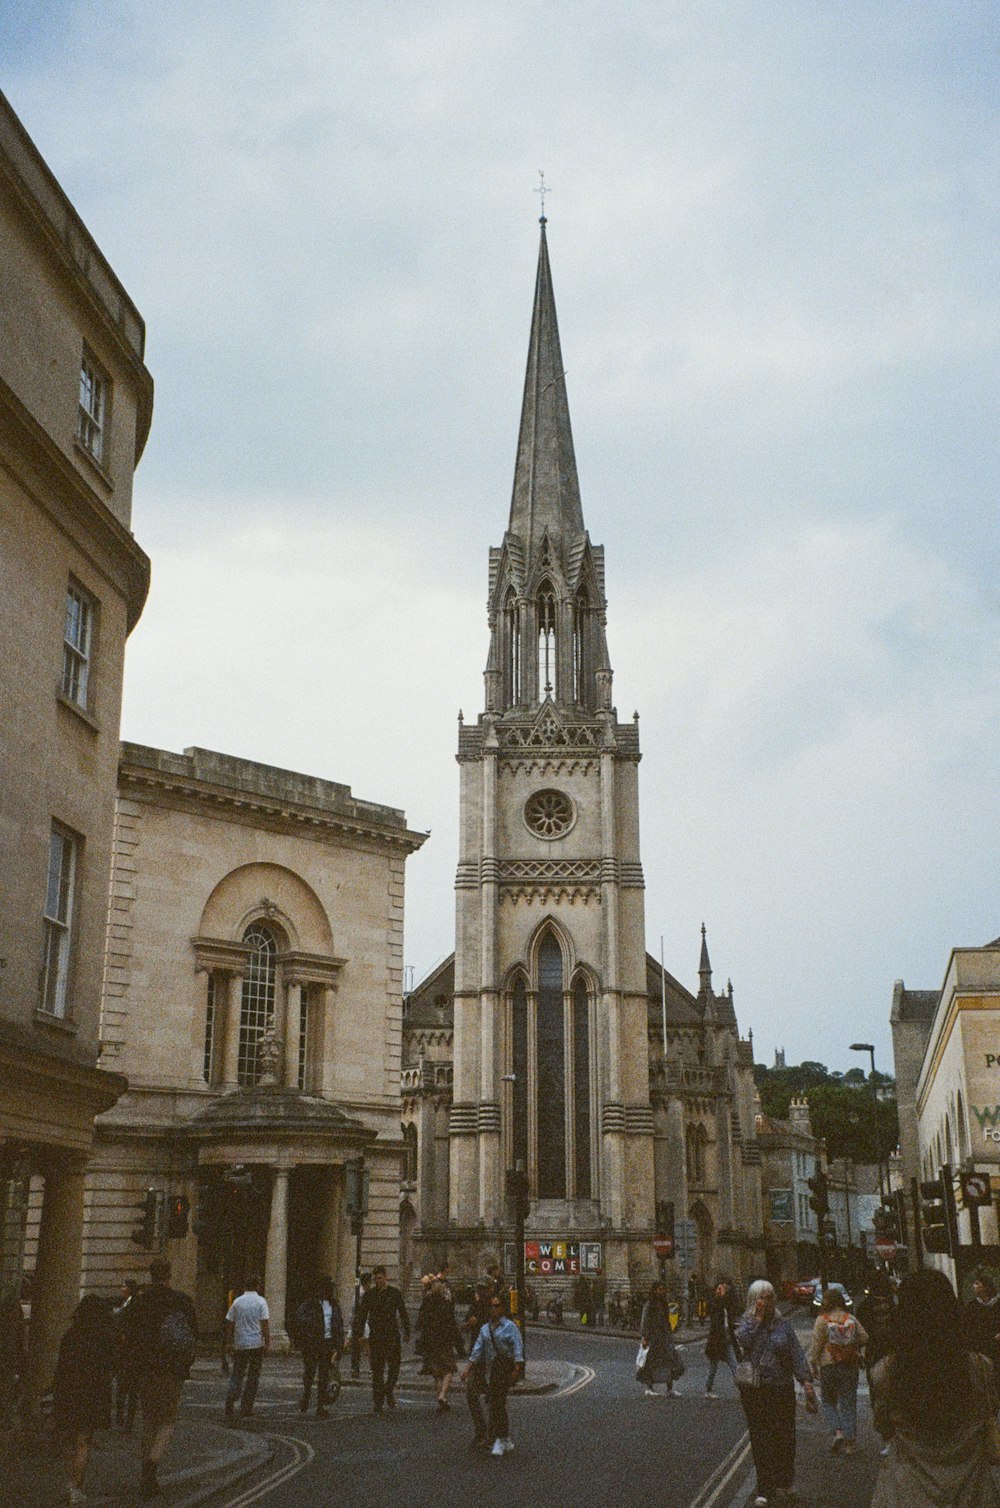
[
  {"x": 886, "y": 1219},
  {"x": 146, "y": 1233},
  {"x": 819, "y": 1199},
  {"x": 938, "y": 1220},
  {"x": 665, "y": 1217},
  {"x": 177, "y": 1222}
]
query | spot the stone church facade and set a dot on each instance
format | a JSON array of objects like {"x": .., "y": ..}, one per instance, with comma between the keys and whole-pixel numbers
[
  {"x": 540, "y": 1042},
  {"x": 253, "y": 999}
]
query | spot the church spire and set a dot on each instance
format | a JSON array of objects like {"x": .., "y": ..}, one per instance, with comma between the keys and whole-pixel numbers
[
  {"x": 704, "y": 969},
  {"x": 546, "y": 493}
]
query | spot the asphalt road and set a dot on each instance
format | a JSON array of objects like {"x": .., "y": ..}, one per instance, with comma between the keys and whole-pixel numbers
[{"x": 597, "y": 1441}]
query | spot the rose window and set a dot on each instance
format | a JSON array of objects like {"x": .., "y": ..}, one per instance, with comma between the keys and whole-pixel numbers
[{"x": 549, "y": 814}]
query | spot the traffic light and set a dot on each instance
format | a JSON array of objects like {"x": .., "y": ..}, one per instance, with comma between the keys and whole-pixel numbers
[
  {"x": 665, "y": 1217},
  {"x": 819, "y": 1199},
  {"x": 146, "y": 1233},
  {"x": 518, "y": 1191},
  {"x": 177, "y": 1221},
  {"x": 886, "y": 1219},
  {"x": 938, "y": 1219}
]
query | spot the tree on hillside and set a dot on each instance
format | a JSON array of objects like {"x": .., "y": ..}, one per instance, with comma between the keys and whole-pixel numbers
[{"x": 841, "y": 1107}]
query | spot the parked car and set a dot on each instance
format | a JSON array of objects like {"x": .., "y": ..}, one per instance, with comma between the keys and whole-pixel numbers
[
  {"x": 845, "y": 1297},
  {"x": 801, "y": 1291}
]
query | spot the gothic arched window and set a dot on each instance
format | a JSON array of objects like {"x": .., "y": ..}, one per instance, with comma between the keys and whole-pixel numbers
[
  {"x": 519, "y": 1067},
  {"x": 546, "y": 614},
  {"x": 512, "y": 648},
  {"x": 257, "y": 1002},
  {"x": 580, "y": 648},
  {"x": 551, "y": 1072},
  {"x": 409, "y": 1153},
  {"x": 581, "y": 1086}
]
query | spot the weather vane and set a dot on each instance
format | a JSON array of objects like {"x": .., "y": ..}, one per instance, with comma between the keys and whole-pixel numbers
[{"x": 542, "y": 190}]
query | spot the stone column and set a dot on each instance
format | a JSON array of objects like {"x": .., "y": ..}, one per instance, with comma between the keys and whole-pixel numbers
[
  {"x": 231, "y": 1040},
  {"x": 56, "y": 1288},
  {"x": 293, "y": 1027},
  {"x": 324, "y": 1071},
  {"x": 276, "y": 1259},
  {"x": 490, "y": 1177}
]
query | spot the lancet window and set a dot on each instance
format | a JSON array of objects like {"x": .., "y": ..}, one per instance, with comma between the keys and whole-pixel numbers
[
  {"x": 512, "y": 656},
  {"x": 546, "y": 618},
  {"x": 580, "y": 649},
  {"x": 551, "y": 1126}
]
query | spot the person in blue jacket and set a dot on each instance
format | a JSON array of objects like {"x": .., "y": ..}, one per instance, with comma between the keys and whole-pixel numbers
[
  {"x": 498, "y": 1348},
  {"x": 771, "y": 1352}
]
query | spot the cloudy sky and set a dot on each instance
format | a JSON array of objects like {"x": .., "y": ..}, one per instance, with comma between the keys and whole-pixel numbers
[{"x": 773, "y": 232}]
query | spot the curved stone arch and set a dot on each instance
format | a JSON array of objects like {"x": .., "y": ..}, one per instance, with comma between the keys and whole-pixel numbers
[
  {"x": 587, "y": 974},
  {"x": 705, "y": 1227},
  {"x": 565, "y": 942},
  {"x": 274, "y": 895},
  {"x": 516, "y": 971},
  {"x": 962, "y": 1122}
]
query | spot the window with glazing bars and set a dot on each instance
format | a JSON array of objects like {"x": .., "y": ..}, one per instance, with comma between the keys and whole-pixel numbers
[
  {"x": 59, "y": 888},
  {"x": 209, "y": 1030},
  {"x": 303, "y": 1059},
  {"x": 257, "y": 1004},
  {"x": 77, "y": 637},
  {"x": 551, "y": 1072},
  {"x": 93, "y": 407}
]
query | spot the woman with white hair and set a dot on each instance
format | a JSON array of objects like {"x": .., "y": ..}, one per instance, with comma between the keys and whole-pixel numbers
[{"x": 772, "y": 1361}]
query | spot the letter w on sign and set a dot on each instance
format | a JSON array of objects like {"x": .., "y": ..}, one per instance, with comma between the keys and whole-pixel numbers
[{"x": 986, "y": 1115}]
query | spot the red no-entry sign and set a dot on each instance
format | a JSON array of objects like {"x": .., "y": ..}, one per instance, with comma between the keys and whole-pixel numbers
[
  {"x": 663, "y": 1246},
  {"x": 885, "y": 1247}
]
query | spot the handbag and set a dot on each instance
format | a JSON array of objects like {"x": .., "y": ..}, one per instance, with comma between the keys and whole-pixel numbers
[{"x": 747, "y": 1374}]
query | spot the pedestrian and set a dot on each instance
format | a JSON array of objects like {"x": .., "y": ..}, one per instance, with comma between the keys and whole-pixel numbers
[
  {"x": 662, "y": 1364},
  {"x": 835, "y": 1357},
  {"x": 935, "y": 1402},
  {"x": 248, "y": 1336},
  {"x": 319, "y": 1334},
  {"x": 12, "y": 1356},
  {"x": 126, "y": 1397},
  {"x": 982, "y": 1318},
  {"x": 383, "y": 1311},
  {"x": 876, "y": 1313},
  {"x": 418, "y": 1326},
  {"x": 440, "y": 1339},
  {"x": 82, "y": 1385},
  {"x": 161, "y": 1331},
  {"x": 358, "y": 1336},
  {"x": 498, "y": 1349},
  {"x": 479, "y": 1310},
  {"x": 772, "y": 1361},
  {"x": 721, "y": 1342}
]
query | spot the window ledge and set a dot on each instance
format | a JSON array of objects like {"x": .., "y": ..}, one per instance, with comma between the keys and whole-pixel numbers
[
  {"x": 58, "y": 1023},
  {"x": 93, "y": 463},
  {"x": 80, "y": 712}
]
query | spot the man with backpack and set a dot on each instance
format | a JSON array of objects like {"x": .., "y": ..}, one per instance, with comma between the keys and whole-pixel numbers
[
  {"x": 160, "y": 1336},
  {"x": 835, "y": 1355},
  {"x": 248, "y": 1335}
]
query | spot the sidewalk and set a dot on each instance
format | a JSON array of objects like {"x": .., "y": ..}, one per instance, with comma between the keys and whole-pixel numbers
[{"x": 201, "y": 1459}]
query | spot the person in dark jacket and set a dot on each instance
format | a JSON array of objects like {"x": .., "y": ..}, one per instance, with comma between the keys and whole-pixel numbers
[
  {"x": 384, "y": 1312},
  {"x": 982, "y": 1319},
  {"x": 82, "y": 1384},
  {"x": 663, "y": 1363},
  {"x": 440, "y": 1339},
  {"x": 126, "y": 1397},
  {"x": 876, "y": 1314},
  {"x": 358, "y": 1337},
  {"x": 319, "y": 1332},
  {"x": 721, "y": 1342},
  {"x": 158, "y": 1383}
]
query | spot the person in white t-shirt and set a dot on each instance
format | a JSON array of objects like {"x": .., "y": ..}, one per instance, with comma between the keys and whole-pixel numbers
[{"x": 248, "y": 1335}]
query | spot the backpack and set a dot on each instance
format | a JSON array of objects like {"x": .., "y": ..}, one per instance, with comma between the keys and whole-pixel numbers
[
  {"x": 842, "y": 1339},
  {"x": 175, "y": 1343}
]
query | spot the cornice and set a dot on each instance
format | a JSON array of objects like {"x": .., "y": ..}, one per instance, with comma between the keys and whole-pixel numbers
[
  {"x": 178, "y": 791},
  {"x": 60, "y": 490}
]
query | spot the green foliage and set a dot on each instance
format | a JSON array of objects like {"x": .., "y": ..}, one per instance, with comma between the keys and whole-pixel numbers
[{"x": 841, "y": 1107}]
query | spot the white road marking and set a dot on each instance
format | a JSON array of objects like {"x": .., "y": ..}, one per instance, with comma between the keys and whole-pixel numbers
[
  {"x": 302, "y": 1454},
  {"x": 722, "y": 1477}
]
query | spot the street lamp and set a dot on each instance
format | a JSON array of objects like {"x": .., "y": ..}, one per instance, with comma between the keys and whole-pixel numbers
[{"x": 869, "y": 1048}]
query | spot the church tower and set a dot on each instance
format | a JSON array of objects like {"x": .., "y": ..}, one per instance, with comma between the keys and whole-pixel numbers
[{"x": 551, "y": 1065}]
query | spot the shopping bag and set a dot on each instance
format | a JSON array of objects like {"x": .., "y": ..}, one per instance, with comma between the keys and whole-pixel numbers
[{"x": 641, "y": 1358}]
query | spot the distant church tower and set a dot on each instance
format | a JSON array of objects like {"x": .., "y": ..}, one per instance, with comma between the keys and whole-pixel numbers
[{"x": 551, "y": 1061}]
